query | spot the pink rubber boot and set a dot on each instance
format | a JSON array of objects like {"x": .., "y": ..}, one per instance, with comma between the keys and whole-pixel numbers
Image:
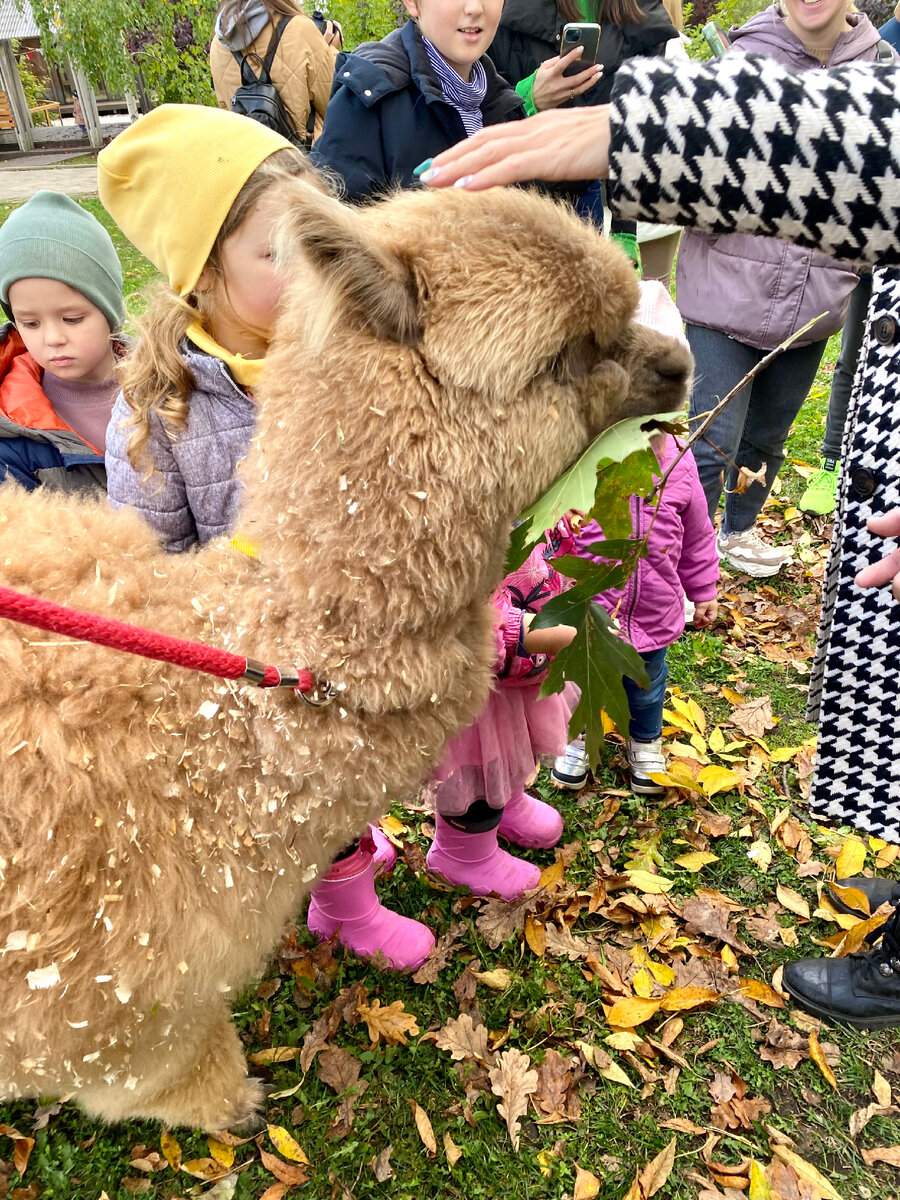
[
  {"x": 345, "y": 903},
  {"x": 530, "y": 822},
  {"x": 475, "y": 861},
  {"x": 385, "y": 854}
]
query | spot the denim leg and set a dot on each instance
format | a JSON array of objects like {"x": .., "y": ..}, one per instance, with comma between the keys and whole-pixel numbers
[
  {"x": 842, "y": 381},
  {"x": 589, "y": 204},
  {"x": 646, "y": 704},
  {"x": 777, "y": 395},
  {"x": 721, "y": 362}
]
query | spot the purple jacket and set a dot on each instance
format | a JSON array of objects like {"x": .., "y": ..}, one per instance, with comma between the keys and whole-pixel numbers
[
  {"x": 193, "y": 494},
  {"x": 681, "y": 558},
  {"x": 759, "y": 290}
]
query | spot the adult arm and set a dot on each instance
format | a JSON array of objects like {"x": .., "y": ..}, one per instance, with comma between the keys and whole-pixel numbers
[
  {"x": 887, "y": 570},
  {"x": 739, "y": 145}
]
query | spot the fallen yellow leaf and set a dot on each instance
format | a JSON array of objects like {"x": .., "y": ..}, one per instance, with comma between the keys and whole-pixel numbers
[
  {"x": 171, "y": 1150},
  {"x": 285, "y": 1145},
  {"x": 586, "y": 1185},
  {"x": 806, "y": 1171},
  {"x": 680, "y": 999},
  {"x": 224, "y": 1155},
  {"x": 761, "y": 993},
  {"x": 630, "y": 1012},
  {"x": 653, "y": 885},
  {"x": 759, "y": 1185},
  {"x": 817, "y": 1054},
  {"x": 851, "y": 858},
  {"x": 696, "y": 860},
  {"x": 499, "y": 979},
  {"x": 716, "y": 779},
  {"x": 792, "y": 901}
]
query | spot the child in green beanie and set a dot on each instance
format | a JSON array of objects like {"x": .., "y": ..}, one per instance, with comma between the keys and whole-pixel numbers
[{"x": 61, "y": 287}]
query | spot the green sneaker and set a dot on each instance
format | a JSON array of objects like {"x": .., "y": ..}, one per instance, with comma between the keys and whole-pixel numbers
[{"x": 818, "y": 499}]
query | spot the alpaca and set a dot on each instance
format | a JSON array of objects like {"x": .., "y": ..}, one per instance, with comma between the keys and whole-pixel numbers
[{"x": 441, "y": 359}]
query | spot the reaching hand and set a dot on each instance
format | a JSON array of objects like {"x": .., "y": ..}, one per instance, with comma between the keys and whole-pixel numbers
[
  {"x": 888, "y": 569},
  {"x": 333, "y": 34},
  {"x": 563, "y": 144},
  {"x": 551, "y": 88},
  {"x": 546, "y": 641},
  {"x": 705, "y": 613}
]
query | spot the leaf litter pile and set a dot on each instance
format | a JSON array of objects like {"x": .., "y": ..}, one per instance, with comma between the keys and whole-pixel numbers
[{"x": 620, "y": 1032}]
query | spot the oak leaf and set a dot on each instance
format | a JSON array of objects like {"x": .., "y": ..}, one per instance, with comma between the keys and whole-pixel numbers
[
  {"x": 706, "y": 916},
  {"x": 463, "y": 1039},
  {"x": 392, "y": 1023},
  {"x": 513, "y": 1080}
]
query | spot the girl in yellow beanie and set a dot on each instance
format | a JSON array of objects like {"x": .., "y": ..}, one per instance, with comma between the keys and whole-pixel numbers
[{"x": 191, "y": 187}]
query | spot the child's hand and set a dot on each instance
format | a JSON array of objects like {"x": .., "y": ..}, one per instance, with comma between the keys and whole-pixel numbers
[
  {"x": 705, "y": 613},
  {"x": 888, "y": 569},
  {"x": 546, "y": 641}
]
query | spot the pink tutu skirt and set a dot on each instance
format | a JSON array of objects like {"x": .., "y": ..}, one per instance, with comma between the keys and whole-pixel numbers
[{"x": 496, "y": 756}]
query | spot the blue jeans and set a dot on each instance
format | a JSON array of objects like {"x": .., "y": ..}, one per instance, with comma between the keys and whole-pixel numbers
[
  {"x": 646, "y": 704},
  {"x": 752, "y": 430},
  {"x": 845, "y": 371}
]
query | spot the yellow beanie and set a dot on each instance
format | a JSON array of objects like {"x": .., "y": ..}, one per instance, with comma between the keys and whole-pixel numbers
[{"x": 170, "y": 179}]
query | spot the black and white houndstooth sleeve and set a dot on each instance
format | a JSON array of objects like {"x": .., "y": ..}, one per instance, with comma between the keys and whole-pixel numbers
[{"x": 742, "y": 145}]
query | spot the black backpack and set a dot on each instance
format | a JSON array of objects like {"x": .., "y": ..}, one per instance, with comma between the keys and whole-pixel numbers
[{"x": 258, "y": 98}]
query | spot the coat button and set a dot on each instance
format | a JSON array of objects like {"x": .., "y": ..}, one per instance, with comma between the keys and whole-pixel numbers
[
  {"x": 346, "y": 74},
  {"x": 863, "y": 483},
  {"x": 885, "y": 330},
  {"x": 368, "y": 92}
]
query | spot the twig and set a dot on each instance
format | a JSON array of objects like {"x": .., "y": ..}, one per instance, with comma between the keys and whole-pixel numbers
[{"x": 711, "y": 416}]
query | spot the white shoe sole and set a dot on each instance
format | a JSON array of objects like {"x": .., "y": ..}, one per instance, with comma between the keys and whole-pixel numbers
[
  {"x": 754, "y": 570},
  {"x": 568, "y": 783}
]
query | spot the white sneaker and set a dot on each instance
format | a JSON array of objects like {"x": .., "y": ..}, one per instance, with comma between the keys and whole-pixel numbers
[
  {"x": 747, "y": 552},
  {"x": 571, "y": 770},
  {"x": 645, "y": 759}
]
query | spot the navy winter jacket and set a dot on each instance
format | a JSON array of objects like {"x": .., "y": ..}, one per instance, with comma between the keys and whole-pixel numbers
[{"x": 387, "y": 114}]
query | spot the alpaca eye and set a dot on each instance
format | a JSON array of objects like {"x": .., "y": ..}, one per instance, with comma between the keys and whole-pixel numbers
[{"x": 574, "y": 361}]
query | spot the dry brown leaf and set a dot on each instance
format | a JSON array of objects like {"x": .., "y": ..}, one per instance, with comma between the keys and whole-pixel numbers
[
  {"x": 463, "y": 1039},
  {"x": 22, "y": 1147},
  {"x": 709, "y": 917},
  {"x": 654, "y": 1175},
  {"x": 885, "y": 1154},
  {"x": 535, "y": 936},
  {"x": 784, "y": 1047},
  {"x": 274, "y": 1054},
  {"x": 498, "y": 920},
  {"x": 392, "y": 1023},
  {"x": 275, "y": 1192},
  {"x": 747, "y": 478},
  {"x": 683, "y": 1125},
  {"x": 380, "y": 1165},
  {"x": 792, "y": 901},
  {"x": 453, "y": 1152},
  {"x": 439, "y": 956},
  {"x": 754, "y": 717},
  {"x": 881, "y": 1089},
  {"x": 292, "y": 1174},
  {"x": 423, "y": 1124},
  {"x": 513, "y": 1080},
  {"x": 860, "y": 1119}
]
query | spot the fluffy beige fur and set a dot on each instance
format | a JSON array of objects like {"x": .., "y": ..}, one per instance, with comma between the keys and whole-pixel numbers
[{"x": 441, "y": 359}]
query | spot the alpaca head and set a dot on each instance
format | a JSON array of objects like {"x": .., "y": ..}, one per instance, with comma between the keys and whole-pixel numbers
[{"x": 483, "y": 339}]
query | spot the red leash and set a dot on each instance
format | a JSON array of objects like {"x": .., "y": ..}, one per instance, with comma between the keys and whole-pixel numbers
[{"x": 43, "y": 614}]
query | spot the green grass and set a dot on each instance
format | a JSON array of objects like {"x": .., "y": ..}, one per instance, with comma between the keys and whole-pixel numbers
[{"x": 549, "y": 1002}]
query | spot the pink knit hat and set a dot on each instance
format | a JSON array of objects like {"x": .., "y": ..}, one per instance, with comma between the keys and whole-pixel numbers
[{"x": 656, "y": 309}]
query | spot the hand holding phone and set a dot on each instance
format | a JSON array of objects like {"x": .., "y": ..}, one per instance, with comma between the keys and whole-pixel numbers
[{"x": 585, "y": 34}]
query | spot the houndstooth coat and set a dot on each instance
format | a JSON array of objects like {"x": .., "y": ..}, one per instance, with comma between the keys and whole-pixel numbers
[{"x": 743, "y": 145}]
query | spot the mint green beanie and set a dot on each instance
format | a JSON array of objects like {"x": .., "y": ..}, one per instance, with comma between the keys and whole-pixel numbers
[{"x": 52, "y": 237}]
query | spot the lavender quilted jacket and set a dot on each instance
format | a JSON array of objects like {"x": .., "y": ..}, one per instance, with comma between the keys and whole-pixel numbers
[{"x": 192, "y": 495}]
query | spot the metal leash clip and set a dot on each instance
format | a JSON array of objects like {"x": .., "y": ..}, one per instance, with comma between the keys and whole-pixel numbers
[{"x": 321, "y": 695}]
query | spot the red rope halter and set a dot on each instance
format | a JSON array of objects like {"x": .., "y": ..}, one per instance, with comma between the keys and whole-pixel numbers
[{"x": 88, "y": 627}]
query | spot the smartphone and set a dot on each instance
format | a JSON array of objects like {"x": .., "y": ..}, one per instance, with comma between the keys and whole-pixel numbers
[
  {"x": 575, "y": 34},
  {"x": 717, "y": 38}
]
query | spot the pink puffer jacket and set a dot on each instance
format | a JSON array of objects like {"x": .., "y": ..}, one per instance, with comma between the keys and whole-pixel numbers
[
  {"x": 527, "y": 590},
  {"x": 681, "y": 558}
]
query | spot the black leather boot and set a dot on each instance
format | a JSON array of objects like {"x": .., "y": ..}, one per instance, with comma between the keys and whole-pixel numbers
[
  {"x": 878, "y": 891},
  {"x": 862, "y": 990}
]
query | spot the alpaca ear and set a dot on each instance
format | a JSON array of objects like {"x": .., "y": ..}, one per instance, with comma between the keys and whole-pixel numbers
[{"x": 378, "y": 287}]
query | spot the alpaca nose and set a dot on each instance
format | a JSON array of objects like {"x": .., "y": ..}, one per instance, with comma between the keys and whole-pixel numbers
[{"x": 674, "y": 368}]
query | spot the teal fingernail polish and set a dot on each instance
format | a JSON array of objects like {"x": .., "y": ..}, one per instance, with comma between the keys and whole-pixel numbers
[{"x": 422, "y": 167}]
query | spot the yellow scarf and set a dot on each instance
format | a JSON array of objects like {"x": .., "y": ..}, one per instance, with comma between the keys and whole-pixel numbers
[{"x": 248, "y": 372}]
